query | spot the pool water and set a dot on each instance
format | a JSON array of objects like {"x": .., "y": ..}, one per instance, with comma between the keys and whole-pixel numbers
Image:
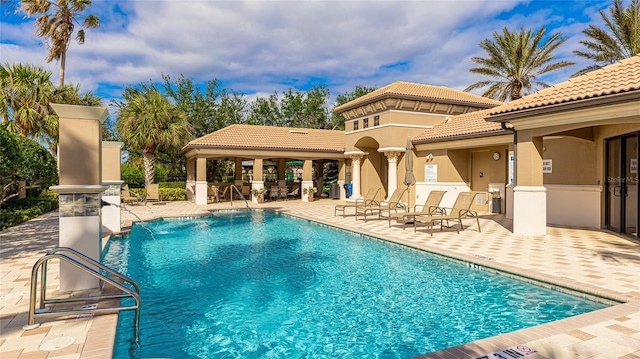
[{"x": 264, "y": 285}]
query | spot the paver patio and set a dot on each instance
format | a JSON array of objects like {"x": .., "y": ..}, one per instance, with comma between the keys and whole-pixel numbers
[{"x": 592, "y": 261}]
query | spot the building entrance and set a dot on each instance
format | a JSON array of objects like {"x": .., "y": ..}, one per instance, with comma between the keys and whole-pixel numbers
[{"x": 621, "y": 203}]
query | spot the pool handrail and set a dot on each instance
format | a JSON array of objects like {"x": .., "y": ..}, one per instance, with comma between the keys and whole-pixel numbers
[
  {"x": 239, "y": 194},
  {"x": 61, "y": 253}
]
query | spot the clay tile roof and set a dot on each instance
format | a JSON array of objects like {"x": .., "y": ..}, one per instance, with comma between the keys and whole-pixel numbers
[
  {"x": 618, "y": 78},
  {"x": 461, "y": 126},
  {"x": 268, "y": 137},
  {"x": 402, "y": 89}
]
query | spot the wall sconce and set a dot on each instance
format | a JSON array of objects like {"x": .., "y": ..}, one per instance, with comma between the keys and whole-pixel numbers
[{"x": 430, "y": 156}]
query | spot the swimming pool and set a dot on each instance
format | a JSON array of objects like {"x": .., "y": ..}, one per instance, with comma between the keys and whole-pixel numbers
[{"x": 261, "y": 284}]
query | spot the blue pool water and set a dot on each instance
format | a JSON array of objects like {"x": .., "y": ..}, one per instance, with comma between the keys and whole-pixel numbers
[{"x": 264, "y": 285}]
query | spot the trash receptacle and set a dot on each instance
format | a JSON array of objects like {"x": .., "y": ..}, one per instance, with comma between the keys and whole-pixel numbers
[
  {"x": 334, "y": 191},
  {"x": 496, "y": 204}
]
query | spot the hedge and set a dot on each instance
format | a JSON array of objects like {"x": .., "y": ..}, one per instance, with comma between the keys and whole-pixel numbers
[{"x": 14, "y": 212}]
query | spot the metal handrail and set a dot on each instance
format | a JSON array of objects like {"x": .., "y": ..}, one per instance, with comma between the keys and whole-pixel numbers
[
  {"x": 61, "y": 254},
  {"x": 240, "y": 194}
]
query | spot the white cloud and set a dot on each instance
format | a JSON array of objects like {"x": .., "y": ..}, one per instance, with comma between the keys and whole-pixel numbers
[{"x": 267, "y": 46}]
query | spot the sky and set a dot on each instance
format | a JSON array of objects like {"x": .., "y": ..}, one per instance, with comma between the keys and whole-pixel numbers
[{"x": 261, "y": 47}]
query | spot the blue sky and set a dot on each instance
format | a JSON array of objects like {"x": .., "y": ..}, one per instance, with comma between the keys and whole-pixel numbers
[{"x": 258, "y": 47}]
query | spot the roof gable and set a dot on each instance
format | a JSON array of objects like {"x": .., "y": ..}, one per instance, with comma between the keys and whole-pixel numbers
[
  {"x": 411, "y": 90},
  {"x": 462, "y": 126}
]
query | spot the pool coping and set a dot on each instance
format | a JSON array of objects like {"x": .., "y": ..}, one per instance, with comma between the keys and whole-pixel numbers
[{"x": 622, "y": 305}]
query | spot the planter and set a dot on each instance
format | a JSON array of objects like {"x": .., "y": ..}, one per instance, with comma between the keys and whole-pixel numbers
[{"x": 310, "y": 198}]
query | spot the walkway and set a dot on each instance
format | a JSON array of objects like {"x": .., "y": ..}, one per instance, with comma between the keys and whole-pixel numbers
[{"x": 592, "y": 261}]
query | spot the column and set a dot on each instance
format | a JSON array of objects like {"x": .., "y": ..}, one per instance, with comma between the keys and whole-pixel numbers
[
  {"x": 392, "y": 181},
  {"x": 307, "y": 179},
  {"x": 319, "y": 176},
  {"x": 529, "y": 194},
  {"x": 342, "y": 174},
  {"x": 201, "y": 181},
  {"x": 191, "y": 179},
  {"x": 80, "y": 189},
  {"x": 356, "y": 161},
  {"x": 238, "y": 173},
  {"x": 111, "y": 158},
  {"x": 282, "y": 167},
  {"x": 258, "y": 182}
]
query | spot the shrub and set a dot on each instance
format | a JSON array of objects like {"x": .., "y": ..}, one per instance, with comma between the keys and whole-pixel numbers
[
  {"x": 22, "y": 159},
  {"x": 173, "y": 194},
  {"x": 181, "y": 185},
  {"x": 14, "y": 212}
]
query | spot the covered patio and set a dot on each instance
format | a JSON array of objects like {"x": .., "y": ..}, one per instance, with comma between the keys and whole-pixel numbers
[{"x": 265, "y": 152}]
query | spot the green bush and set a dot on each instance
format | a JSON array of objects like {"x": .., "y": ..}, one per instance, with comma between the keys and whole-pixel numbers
[
  {"x": 14, "y": 212},
  {"x": 166, "y": 194},
  {"x": 173, "y": 194},
  {"x": 181, "y": 185},
  {"x": 132, "y": 175}
]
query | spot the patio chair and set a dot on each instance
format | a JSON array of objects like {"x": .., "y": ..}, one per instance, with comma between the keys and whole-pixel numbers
[
  {"x": 223, "y": 191},
  {"x": 461, "y": 209},
  {"x": 431, "y": 207},
  {"x": 127, "y": 196},
  {"x": 212, "y": 193},
  {"x": 393, "y": 204},
  {"x": 368, "y": 200},
  {"x": 274, "y": 192},
  {"x": 153, "y": 193},
  {"x": 295, "y": 192},
  {"x": 246, "y": 192},
  {"x": 282, "y": 192}
]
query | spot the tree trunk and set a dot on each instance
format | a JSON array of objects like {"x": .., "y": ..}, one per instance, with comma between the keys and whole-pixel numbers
[
  {"x": 149, "y": 155},
  {"x": 63, "y": 61}
]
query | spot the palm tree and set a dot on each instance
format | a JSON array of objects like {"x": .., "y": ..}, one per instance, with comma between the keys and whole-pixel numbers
[
  {"x": 56, "y": 26},
  {"x": 515, "y": 60},
  {"x": 147, "y": 120},
  {"x": 620, "y": 39},
  {"x": 24, "y": 99}
]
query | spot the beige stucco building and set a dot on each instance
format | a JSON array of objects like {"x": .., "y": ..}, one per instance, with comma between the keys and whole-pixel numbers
[{"x": 566, "y": 155}]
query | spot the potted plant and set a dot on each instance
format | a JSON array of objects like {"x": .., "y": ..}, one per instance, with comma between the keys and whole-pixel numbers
[
  {"x": 309, "y": 192},
  {"x": 258, "y": 193}
]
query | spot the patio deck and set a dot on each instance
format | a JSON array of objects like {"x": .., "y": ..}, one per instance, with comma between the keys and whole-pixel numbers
[{"x": 591, "y": 261}]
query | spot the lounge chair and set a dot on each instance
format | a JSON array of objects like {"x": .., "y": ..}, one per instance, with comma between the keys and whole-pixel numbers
[
  {"x": 295, "y": 192},
  {"x": 153, "y": 193},
  {"x": 127, "y": 196},
  {"x": 461, "y": 209},
  {"x": 368, "y": 200},
  {"x": 246, "y": 192},
  {"x": 431, "y": 207},
  {"x": 393, "y": 204}
]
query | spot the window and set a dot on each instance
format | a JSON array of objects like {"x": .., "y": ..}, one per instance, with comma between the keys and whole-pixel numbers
[
  {"x": 376, "y": 120},
  {"x": 355, "y": 125},
  {"x": 365, "y": 123}
]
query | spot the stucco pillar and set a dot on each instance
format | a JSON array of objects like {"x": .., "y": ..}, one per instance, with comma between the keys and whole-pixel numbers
[
  {"x": 191, "y": 179},
  {"x": 201, "y": 181},
  {"x": 342, "y": 174},
  {"x": 80, "y": 189},
  {"x": 257, "y": 182},
  {"x": 111, "y": 158},
  {"x": 307, "y": 178},
  {"x": 356, "y": 160},
  {"x": 282, "y": 167},
  {"x": 238, "y": 173},
  {"x": 392, "y": 164},
  {"x": 529, "y": 194},
  {"x": 319, "y": 176}
]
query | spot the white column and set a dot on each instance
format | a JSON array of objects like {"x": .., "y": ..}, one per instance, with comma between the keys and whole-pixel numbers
[
  {"x": 256, "y": 185},
  {"x": 392, "y": 181},
  {"x": 355, "y": 176},
  {"x": 111, "y": 214},
  {"x": 530, "y": 210}
]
